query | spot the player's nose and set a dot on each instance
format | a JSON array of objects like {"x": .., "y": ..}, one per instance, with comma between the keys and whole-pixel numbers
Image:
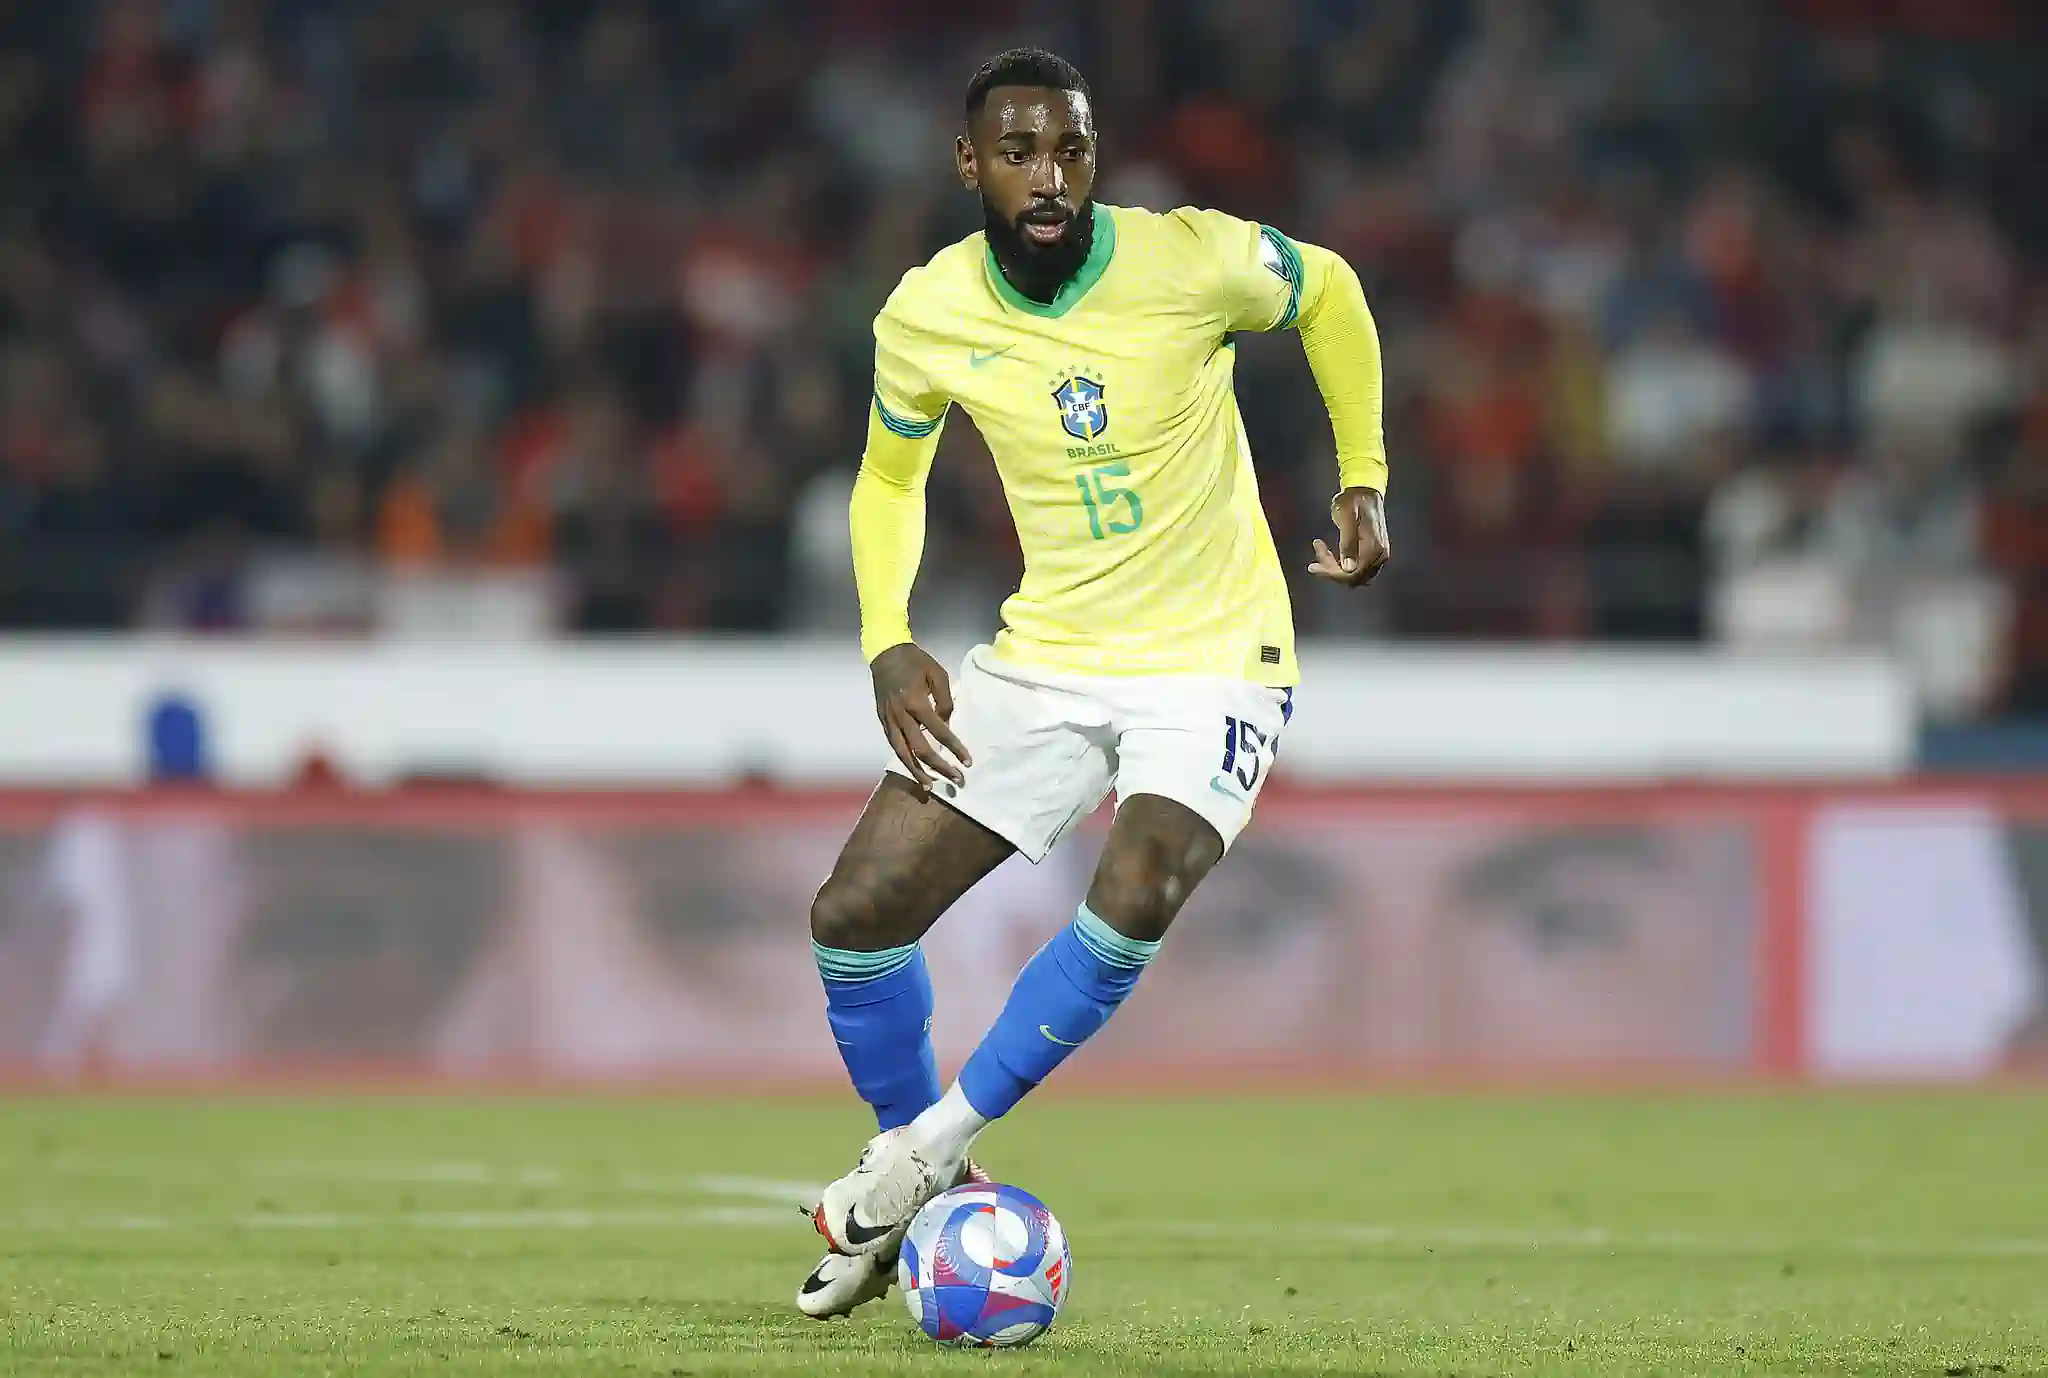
[{"x": 1048, "y": 179}]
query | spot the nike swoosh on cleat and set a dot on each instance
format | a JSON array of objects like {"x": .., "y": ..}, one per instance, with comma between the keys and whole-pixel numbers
[
  {"x": 857, "y": 1234},
  {"x": 816, "y": 1281},
  {"x": 1055, "y": 1038}
]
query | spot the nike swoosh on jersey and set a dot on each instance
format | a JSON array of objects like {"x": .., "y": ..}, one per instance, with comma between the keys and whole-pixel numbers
[
  {"x": 1056, "y": 1038},
  {"x": 975, "y": 358}
]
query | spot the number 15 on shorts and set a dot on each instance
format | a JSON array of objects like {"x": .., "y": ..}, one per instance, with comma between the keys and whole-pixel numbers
[{"x": 1246, "y": 750}]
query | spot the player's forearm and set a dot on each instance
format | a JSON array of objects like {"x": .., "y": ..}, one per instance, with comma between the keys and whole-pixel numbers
[
  {"x": 1343, "y": 348},
  {"x": 887, "y": 521}
]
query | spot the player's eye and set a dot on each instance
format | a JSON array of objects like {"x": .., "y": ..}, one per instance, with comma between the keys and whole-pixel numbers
[{"x": 1016, "y": 157}]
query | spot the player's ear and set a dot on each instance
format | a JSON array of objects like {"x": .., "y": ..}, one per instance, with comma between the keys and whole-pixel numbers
[{"x": 963, "y": 163}]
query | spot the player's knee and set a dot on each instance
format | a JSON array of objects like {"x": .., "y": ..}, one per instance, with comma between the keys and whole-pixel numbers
[
  {"x": 844, "y": 915},
  {"x": 1135, "y": 898}
]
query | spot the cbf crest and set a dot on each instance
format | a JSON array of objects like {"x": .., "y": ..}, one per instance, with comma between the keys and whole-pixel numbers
[{"x": 1082, "y": 411}]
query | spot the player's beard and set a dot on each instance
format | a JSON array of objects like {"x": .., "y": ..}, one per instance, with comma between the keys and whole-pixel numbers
[{"x": 1039, "y": 272}]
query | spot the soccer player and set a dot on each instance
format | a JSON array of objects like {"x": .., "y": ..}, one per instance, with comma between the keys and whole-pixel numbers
[{"x": 1149, "y": 648}]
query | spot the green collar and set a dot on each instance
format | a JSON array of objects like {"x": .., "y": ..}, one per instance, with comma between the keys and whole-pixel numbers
[{"x": 1075, "y": 287}]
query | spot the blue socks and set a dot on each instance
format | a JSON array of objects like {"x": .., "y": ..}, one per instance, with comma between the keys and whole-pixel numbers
[
  {"x": 880, "y": 1007},
  {"x": 1063, "y": 995}
]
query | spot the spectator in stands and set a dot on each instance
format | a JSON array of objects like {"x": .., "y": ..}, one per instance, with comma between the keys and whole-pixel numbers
[{"x": 302, "y": 295}]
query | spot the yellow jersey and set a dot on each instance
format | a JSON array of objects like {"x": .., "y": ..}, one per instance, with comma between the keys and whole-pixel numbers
[{"x": 1114, "y": 426}]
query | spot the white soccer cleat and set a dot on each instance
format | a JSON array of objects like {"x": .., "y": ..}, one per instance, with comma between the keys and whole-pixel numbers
[
  {"x": 865, "y": 1211},
  {"x": 840, "y": 1283}
]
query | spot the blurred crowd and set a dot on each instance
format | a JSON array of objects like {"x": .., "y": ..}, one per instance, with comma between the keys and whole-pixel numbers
[{"x": 1703, "y": 322}]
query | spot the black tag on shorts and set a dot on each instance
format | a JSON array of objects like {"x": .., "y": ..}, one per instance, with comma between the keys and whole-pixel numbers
[{"x": 1269, "y": 655}]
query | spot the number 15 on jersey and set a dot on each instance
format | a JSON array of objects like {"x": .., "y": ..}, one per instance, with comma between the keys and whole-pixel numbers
[{"x": 1106, "y": 501}]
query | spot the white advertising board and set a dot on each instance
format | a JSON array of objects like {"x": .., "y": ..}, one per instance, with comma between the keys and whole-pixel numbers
[{"x": 706, "y": 712}]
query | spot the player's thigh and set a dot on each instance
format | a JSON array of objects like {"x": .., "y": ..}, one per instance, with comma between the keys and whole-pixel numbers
[
  {"x": 1040, "y": 751},
  {"x": 909, "y": 857},
  {"x": 1193, "y": 757}
]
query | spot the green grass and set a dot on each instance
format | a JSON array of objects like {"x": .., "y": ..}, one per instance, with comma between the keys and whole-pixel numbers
[{"x": 1884, "y": 1234}]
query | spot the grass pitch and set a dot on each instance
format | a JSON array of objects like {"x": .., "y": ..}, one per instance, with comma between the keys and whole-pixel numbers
[{"x": 1884, "y": 1234}]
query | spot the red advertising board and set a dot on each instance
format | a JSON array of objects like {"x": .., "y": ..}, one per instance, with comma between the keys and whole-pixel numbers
[{"x": 477, "y": 936}]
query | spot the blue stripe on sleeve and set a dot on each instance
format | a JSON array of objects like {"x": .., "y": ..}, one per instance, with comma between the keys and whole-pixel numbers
[
  {"x": 903, "y": 425},
  {"x": 1290, "y": 269}
]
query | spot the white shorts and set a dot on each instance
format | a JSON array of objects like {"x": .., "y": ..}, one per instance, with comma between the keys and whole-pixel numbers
[{"x": 1048, "y": 747}]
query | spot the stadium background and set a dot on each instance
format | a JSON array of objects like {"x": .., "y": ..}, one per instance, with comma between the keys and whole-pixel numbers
[{"x": 408, "y": 410}]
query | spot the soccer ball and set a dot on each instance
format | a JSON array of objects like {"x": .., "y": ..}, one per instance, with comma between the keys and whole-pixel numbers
[{"x": 984, "y": 1266}]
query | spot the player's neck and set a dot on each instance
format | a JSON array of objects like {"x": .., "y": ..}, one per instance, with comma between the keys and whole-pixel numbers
[{"x": 1035, "y": 275}]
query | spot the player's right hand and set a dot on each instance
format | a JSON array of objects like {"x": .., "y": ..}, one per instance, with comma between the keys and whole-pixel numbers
[{"x": 914, "y": 700}]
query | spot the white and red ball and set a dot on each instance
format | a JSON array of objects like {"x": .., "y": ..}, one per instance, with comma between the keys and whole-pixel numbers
[{"x": 984, "y": 1266}]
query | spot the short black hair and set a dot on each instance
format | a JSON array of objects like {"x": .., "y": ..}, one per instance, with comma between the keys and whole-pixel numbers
[{"x": 1023, "y": 67}]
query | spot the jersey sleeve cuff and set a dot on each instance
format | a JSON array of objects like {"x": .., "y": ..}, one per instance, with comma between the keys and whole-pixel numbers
[
  {"x": 873, "y": 643},
  {"x": 1363, "y": 473}
]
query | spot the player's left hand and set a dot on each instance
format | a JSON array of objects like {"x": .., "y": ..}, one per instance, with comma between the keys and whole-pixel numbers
[{"x": 1362, "y": 547}]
